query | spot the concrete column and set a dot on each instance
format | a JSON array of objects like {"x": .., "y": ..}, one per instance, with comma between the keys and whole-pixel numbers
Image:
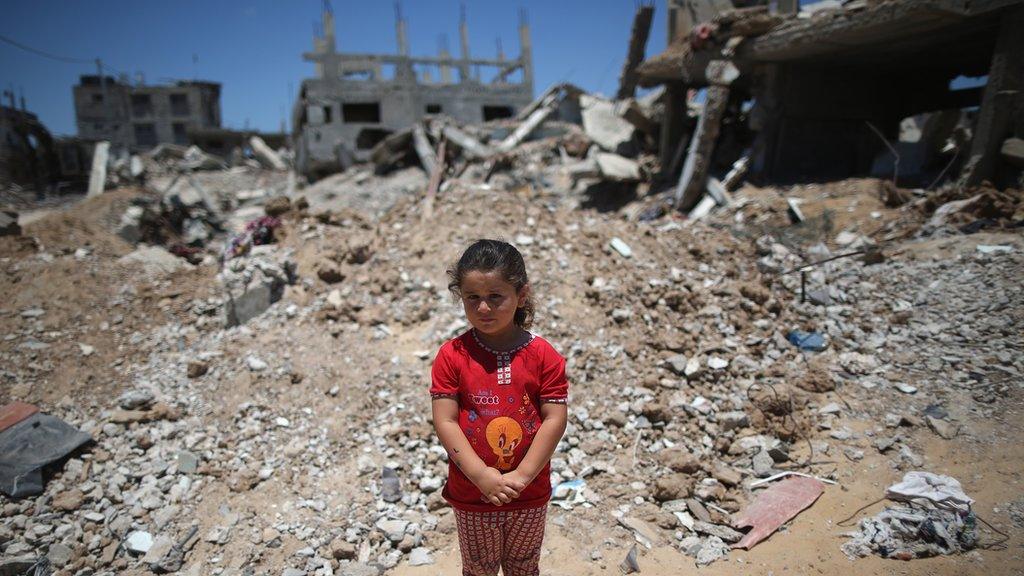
[
  {"x": 1001, "y": 102},
  {"x": 672, "y": 126},
  {"x": 464, "y": 69},
  {"x": 702, "y": 146},
  {"x": 635, "y": 55},
  {"x": 525, "y": 51}
]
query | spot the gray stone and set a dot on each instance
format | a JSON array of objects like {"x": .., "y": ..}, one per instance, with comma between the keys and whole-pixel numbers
[
  {"x": 254, "y": 300},
  {"x": 712, "y": 549},
  {"x": 359, "y": 569},
  {"x": 154, "y": 261},
  {"x": 139, "y": 542},
  {"x": 764, "y": 464},
  {"x": 59, "y": 554},
  {"x": 393, "y": 529},
  {"x": 135, "y": 399},
  {"x": 724, "y": 532},
  {"x": 187, "y": 462},
  {"x": 420, "y": 557},
  {"x": 162, "y": 546},
  {"x": 293, "y": 572},
  {"x": 677, "y": 364}
]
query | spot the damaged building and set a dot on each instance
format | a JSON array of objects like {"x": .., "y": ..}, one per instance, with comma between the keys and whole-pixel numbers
[
  {"x": 819, "y": 92},
  {"x": 357, "y": 100},
  {"x": 28, "y": 155},
  {"x": 137, "y": 117}
]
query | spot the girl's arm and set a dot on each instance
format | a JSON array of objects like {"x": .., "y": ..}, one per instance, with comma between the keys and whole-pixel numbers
[
  {"x": 487, "y": 479},
  {"x": 553, "y": 418}
]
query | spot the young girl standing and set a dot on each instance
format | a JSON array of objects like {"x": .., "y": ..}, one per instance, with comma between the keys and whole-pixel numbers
[{"x": 499, "y": 406}]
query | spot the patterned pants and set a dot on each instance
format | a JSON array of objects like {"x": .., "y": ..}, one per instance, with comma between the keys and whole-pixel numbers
[{"x": 509, "y": 539}]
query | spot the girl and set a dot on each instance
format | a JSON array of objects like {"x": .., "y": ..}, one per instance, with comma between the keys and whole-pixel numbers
[{"x": 498, "y": 397}]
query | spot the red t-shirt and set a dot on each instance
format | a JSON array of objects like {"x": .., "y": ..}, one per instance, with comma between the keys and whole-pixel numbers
[{"x": 499, "y": 395}]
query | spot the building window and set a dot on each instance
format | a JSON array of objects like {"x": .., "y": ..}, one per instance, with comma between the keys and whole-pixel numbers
[
  {"x": 97, "y": 98},
  {"x": 180, "y": 133},
  {"x": 179, "y": 105},
  {"x": 97, "y": 126},
  {"x": 361, "y": 113},
  {"x": 142, "y": 105},
  {"x": 145, "y": 135},
  {"x": 497, "y": 112},
  {"x": 327, "y": 114},
  {"x": 433, "y": 108}
]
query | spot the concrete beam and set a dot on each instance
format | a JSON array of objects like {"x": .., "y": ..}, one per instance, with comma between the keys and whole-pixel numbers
[
  {"x": 695, "y": 171},
  {"x": 637, "y": 46},
  {"x": 1001, "y": 102}
]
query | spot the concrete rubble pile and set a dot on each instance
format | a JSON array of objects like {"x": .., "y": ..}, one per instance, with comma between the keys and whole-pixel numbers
[{"x": 263, "y": 408}]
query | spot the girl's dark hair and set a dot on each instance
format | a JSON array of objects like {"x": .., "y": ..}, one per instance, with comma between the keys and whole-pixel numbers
[{"x": 488, "y": 255}]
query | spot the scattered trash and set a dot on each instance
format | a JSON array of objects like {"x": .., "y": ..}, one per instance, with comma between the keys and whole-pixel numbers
[
  {"x": 807, "y": 341},
  {"x": 621, "y": 247},
  {"x": 30, "y": 443},
  {"x": 996, "y": 249},
  {"x": 941, "y": 490},
  {"x": 908, "y": 532}
]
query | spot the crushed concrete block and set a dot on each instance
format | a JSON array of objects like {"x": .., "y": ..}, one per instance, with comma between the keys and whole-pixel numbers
[
  {"x": 615, "y": 167},
  {"x": 266, "y": 155},
  {"x": 98, "y": 174},
  {"x": 606, "y": 128},
  {"x": 154, "y": 261}
]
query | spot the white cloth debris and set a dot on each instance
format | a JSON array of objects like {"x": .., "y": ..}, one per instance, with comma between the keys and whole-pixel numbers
[{"x": 943, "y": 491}]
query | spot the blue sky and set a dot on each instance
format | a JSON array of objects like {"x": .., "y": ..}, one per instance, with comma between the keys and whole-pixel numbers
[{"x": 254, "y": 47}]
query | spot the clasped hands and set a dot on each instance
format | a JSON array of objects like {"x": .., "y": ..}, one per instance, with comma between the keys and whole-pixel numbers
[{"x": 498, "y": 488}]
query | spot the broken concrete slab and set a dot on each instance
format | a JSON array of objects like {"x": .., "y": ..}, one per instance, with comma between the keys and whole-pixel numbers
[
  {"x": 266, "y": 155},
  {"x": 98, "y": 174},
  {"x": 606, "y": 128},
  {"x": 530, "y": 124},
  {"x": 154, "y": 261},
  {"x": 423, "y": 149},
  {"x": 470, "y": 146},
  {"x": 615, "y": 167}
]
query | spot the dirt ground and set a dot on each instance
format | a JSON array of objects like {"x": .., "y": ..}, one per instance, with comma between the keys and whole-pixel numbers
[{"x": 146, "y": 327}]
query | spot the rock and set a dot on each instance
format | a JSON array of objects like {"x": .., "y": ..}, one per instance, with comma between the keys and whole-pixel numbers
[
  {"x": 763, "y": 464},
  {"x": 646, "y": 534},
  {"x": 906, "y": 388},
  {"x": 196, "y": 368},
  {"x": 673, "y": 487},
  {"x": 420, "y": 557},
  {"x": 677, "y": 364},
  {"x": 9, "y": 223},
  {"x": 161, "y": 547},
  {"x": 154, "y": 261},
  {"x": 621, "y": 247},
  {"x": 359, "y": 569},
  {"x": 394, "y": 530},
  {"x": 135, "y": 399},
  {"x": 277, "y": 205},
  {"x": 943, "y": 428},
  {"x": 329, "y": 272},
  {"x": 58, "y": 555},
  {"x": 726, "y": 475},
  {"x": 679, "y": 460},
  {"x": 342, "y": 549},
  {"x": 391, "y": 486},
  {"x": 68, "y": 501},
  {"x": 733, "y": 420},
  {"x": 293, "y": 572},
  {"x": 255, "y": 363},
  {"x": 716, "y": 363},
  {"x": 712, "y": 549},
  {"x": 187, "y": 462},
  {"x": 830, "y": 408},
  {"x": 724, "y": 532},
  {"x": 139, "y": 542}
]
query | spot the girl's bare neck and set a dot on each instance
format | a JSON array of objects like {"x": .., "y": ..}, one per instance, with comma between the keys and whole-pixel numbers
[{"x": 505, "y": 341}]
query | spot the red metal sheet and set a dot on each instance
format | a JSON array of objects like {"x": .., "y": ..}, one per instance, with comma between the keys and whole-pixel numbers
[
  {"x": 15, "y": 412},
  {"x": 776, "y": 506}
]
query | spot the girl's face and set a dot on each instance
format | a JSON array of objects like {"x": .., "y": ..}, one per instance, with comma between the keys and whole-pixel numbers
[{"x": 491, "y": 302}]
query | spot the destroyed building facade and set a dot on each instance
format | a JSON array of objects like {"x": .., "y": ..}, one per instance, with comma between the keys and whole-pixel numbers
[
  {"x": 27, "y": 152},
  {"x": 821, "y": 89},
  {"x": 356, "y": 100},
  {"x": 137, "y": 117}
]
